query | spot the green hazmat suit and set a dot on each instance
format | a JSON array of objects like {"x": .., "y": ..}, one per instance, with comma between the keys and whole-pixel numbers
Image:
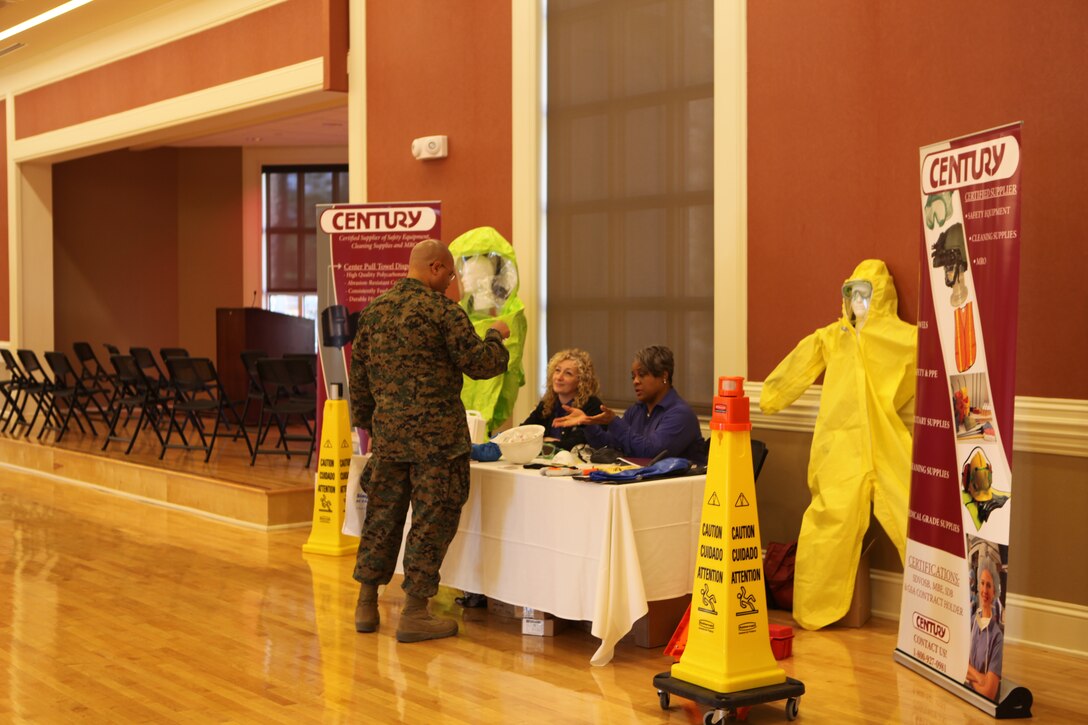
[
  {"x": 861, "y": 444},
  {"x": 487, "y": 269}
]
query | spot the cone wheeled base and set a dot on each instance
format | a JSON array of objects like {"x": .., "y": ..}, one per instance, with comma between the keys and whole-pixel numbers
[{"x": 726, "y": 704}]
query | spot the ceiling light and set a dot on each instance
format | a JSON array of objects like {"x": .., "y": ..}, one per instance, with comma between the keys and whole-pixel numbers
[{"x": 44, "y": 17}]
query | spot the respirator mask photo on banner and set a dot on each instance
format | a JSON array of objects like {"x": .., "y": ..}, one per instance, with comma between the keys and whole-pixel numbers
[{"x": 950, "y": 252}]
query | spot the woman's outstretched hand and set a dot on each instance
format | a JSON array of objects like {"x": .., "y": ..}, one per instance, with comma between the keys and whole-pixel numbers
[{"x": 576, "y": 416}]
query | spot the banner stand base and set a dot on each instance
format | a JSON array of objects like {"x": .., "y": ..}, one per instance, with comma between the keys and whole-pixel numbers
[{"x": 1015, "y": 700}]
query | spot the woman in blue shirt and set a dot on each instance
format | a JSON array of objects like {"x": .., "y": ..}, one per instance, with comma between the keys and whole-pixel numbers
[{"x": 660, "y": 421}]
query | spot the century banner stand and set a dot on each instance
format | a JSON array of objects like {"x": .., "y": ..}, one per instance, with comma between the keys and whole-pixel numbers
[
  {"x": 362, "y": 250},
  {"x": 952, "y": 617}
]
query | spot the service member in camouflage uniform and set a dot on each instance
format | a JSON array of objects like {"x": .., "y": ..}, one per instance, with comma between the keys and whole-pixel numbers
[{"x": 412, "y": 346}]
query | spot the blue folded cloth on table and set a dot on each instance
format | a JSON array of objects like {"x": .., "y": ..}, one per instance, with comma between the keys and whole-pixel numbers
[
  {"x": 485, "y": 451},
  {"x": 662, "y": 469}
]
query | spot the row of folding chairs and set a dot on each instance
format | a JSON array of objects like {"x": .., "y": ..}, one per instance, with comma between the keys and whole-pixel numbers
[
  {"x": 181, "y": 402},
  {"x": 177, "y": 406},
  {"x": 29, "y": 393}
]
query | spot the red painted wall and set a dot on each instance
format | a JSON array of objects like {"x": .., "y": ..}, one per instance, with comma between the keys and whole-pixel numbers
[
  {"x": 5, "y": 282},
  {"x": 209, "y": 263},
  {"x": 841, "y": 97},
  {"x": 115, "y": 254},
  {"x": 441, "y": 68}
]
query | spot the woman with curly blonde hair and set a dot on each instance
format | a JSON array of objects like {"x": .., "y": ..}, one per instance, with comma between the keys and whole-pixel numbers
[{"x": 572, "y": 383}]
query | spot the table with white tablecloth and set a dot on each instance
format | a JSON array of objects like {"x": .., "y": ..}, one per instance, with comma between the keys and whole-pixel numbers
[{"x": 575, "y": 549}]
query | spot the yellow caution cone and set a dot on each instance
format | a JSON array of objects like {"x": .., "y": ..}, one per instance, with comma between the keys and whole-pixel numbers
[
  {"x": 330, "y": 493},
  {"x": 728, "y": 646}
]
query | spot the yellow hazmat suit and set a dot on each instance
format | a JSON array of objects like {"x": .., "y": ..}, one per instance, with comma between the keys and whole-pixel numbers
[{"x": 861, "y": 446}]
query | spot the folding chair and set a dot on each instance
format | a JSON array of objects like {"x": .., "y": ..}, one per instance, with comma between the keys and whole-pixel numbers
[
  {"x": 198, "y": 391},
  {"x": 759, "y": 455},
  {"x": 13, "y": 392},
  {"x": 133, "y": 390},
  {"x": 169, "y": 352},
  {"x": 289, "y": 386},
  {"x": 91, "y": 371},
  {"x": 190, "y": 400},
  {"x": 254, "y": 390},
  {"x": 69, "y": 389},
  {"x": 94, "y": 376},
  {"x": 145, "y": 359},
  {"x": 39, "y": 388}
]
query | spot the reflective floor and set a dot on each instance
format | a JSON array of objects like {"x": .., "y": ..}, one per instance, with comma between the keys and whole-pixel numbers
[{"x": 113, "y": 610}]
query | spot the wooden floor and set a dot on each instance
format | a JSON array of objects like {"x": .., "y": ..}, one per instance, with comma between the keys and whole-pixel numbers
[{"x": 114, "y": 611}]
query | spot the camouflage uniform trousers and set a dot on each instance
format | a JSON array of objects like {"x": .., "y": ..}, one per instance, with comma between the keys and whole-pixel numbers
[{"x": 437, "y": 491}]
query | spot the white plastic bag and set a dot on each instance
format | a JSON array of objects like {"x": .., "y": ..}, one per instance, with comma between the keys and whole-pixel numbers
[{"x": 355, "y": 499}]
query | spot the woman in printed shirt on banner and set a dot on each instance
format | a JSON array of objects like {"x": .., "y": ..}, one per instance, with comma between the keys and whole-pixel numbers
[{"x": 987, "y": 639}]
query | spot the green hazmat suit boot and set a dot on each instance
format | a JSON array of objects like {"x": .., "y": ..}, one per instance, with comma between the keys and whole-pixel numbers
[
  {"x": 417, "y": 624},
  {"x": 366, "y": 610}
]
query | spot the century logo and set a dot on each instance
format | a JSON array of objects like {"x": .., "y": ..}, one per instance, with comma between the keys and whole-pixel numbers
[
  {"x": 970, "y": 165},
  {"x": 931, "y": 627},
  {"x": 370, "y": 219}
]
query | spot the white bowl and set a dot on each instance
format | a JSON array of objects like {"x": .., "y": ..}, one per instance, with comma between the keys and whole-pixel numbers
[{"x": 521, "y": 444}]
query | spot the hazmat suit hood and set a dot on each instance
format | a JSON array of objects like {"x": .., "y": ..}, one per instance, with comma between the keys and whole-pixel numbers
[
  {"x": 487, "y": 273},
  {"x": 883, "y": 302},
  {"x": 861, "y": 443}
]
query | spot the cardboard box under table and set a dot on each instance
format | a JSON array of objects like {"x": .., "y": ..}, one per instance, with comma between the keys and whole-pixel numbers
[{"x": 610, "y": 554}]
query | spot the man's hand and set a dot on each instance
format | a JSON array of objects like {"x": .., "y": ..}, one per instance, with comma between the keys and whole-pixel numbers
[{"x": 502, "y": 328}]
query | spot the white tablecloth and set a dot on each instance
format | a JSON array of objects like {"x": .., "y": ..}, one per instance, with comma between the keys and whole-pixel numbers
[{"x": 578, "y": 550}]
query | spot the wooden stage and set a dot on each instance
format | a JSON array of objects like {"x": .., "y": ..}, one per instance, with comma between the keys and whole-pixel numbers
[{"x": 274, "y": 493}]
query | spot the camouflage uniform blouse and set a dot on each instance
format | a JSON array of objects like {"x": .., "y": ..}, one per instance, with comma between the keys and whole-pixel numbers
[{"x": 410, "y": 350}]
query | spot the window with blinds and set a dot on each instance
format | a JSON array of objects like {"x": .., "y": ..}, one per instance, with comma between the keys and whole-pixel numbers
[
  {"x": 630, "y": 187},
  {"x": 291, "y": 194}
]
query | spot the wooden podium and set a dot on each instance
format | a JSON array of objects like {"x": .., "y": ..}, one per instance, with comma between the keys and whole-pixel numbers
[{"x": 253, "y": 328}]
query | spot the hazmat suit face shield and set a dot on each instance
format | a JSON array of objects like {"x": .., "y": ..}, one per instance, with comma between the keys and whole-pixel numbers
[
  {"x": 487, "y": 281},
  {"x": 856, "y": 295}
]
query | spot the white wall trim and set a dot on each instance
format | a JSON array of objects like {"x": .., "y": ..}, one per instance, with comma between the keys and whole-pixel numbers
[
  {"x": 357, "y": 121},
  {"x": 527, "y": 212},
  {"x": 149, "y": 123},
  {"x": 1056, "y": 426},
  {"x": 15, "y": 282},
  {"x": 1060, "y": 626},
  {"x": 731, "y": 188}
]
